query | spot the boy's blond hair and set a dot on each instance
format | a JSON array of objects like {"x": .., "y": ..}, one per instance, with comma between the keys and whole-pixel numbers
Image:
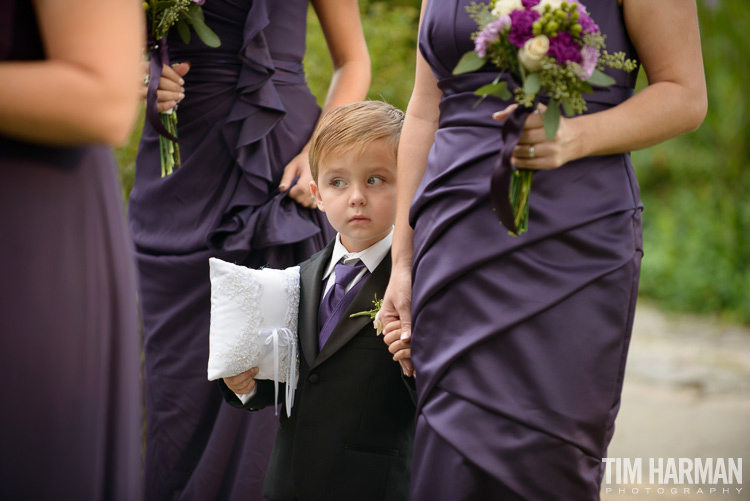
[{"x": 353, "y": 127}]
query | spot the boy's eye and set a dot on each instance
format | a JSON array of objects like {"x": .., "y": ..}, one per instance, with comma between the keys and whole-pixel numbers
[
  {"x": 337, "y": 183},
  {"x": 375, "y": 180}
]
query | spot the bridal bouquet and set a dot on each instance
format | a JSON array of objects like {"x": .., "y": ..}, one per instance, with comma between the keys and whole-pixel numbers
[
  {"x": 549, "y": 47},
  {"x": 161, "y": 16}
]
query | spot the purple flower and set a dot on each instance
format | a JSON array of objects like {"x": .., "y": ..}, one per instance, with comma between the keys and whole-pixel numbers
[
  {"x": 520, "y": 29},
  {"x": 587, "y": 24},
  {"x": 528, "y": 4},
  {"x": 490, "y": 34},
  {"x": 589, "y": 56},
  {"x": 564, "y": 48},
  {"x": 199, "y": 2}
]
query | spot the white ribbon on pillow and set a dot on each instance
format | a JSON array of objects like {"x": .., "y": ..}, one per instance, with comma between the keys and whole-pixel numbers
[{"x": 291, "y": 376}]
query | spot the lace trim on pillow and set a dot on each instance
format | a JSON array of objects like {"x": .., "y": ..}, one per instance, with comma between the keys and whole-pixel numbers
[
  {"x": 291, "y": 289},
  {"x": 246, "y": 349}
]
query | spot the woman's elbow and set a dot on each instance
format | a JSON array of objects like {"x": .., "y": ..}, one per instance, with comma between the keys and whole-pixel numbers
[
  {"x": 695, "y": 104},
  {"x": 116, "y": 120},
  {"x": 697, "y": 112}
]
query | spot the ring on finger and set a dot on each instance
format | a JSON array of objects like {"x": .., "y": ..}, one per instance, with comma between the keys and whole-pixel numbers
[
  {"x": 532, "y": 153},
  {"x": 146, "y": 80}
]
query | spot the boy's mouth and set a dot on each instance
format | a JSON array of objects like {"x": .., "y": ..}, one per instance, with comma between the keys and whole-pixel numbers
[{"x": 359, "y": 219}]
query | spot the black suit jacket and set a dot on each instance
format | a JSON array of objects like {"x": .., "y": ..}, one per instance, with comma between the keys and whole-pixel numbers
[{"x": 350, "y": 434}]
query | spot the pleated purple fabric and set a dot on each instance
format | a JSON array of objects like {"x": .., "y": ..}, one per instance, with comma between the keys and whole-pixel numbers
[
  {"x": 246, "y": 114},
  {"x": 519, "y": 342},
  {"x": 70, "y": 427}
]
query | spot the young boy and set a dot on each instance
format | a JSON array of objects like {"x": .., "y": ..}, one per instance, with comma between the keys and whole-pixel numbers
[{"x": 351, "y": 428}]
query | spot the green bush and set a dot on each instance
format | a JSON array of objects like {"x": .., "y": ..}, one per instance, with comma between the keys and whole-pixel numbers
[{"x": 696, "y": 188}]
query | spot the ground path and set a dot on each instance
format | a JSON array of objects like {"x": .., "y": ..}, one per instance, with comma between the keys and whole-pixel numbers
[{"x": 686, "y": 394}]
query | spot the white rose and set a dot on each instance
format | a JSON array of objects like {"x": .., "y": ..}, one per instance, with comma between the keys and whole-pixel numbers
[
  {"x": 554, "y": 4},
  {"x": 505, "y": 7},
  {"x": 378, "y": 324},
  {"x": 532, "y": 52}
]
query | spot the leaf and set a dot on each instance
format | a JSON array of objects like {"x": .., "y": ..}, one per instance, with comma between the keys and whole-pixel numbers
[
  {"x": 183, "y": 30},
  {"x": 469, "y": 62},
  {"x": 494, "y": 89},
  {"x": 600, "y": 79},
  {"x": 206, "y": 34},
  {"x": 585, "y": 87},
  {"x": 551, "y": 119},
  {"x": 532, "y": 84}
]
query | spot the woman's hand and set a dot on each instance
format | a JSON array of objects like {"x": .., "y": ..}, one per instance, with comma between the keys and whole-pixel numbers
[
  {"x": 395, "y": 313},
  {"x": 300, "y": 192},
  {"x": 534, "y": 151},
  {"x": 171, "y": 90},
  {"x": 242, "y": 383}
]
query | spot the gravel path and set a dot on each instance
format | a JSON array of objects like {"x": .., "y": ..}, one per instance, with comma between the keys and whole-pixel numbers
[{"x": 686, "y": 395}]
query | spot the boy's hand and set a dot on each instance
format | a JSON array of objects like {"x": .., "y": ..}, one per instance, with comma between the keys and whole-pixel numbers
[
  {"x": 242, "y": 383},
  {"x": 400, "y": 347}
]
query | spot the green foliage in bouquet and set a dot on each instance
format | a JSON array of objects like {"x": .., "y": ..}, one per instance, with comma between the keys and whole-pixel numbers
[{"x": 162, "y": 15}]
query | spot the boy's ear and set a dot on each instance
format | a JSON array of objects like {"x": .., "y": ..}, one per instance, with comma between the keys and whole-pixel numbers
[{"x": 316, "y": 195}]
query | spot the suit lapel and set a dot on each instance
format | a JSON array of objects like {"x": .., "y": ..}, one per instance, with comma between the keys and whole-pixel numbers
[
  {"x": 348, "y": 327},
  {"x": 311, "y": 278}
]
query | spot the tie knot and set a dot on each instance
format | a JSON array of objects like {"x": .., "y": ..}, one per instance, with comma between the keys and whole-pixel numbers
[{"x": 345, "y": 273}]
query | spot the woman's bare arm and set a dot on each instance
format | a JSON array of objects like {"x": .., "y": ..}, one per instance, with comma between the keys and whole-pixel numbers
[{"x": 87, "y": 88}]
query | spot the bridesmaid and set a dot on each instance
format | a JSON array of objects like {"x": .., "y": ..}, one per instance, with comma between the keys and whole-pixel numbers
[
  {"x": 245, "y": 118},
  {"x": 520, "y": 343},
  {"x": 70, "y": 427}
]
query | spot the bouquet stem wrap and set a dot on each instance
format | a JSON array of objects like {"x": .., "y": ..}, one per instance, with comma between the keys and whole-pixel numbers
[
  {"x": 158, "y": 55},
  {"x": 164, "y": 123},
  {"x": 510, "y": 187}
]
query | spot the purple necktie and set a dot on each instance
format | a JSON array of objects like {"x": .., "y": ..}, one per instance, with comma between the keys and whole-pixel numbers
[{"x": 337, "y": 300}]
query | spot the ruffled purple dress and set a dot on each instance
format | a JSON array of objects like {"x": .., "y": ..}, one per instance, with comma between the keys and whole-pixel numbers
[
  {"x": 246, "y": 114},
  {"x": 70, "y": 426},
  {"x": 519, "y": 343}
]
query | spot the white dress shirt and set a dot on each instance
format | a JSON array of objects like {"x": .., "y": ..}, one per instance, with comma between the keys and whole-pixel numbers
[{"x": 371, "y": 257}]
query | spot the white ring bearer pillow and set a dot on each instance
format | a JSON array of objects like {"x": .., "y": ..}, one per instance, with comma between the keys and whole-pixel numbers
[{"x": 254, "y": 324}]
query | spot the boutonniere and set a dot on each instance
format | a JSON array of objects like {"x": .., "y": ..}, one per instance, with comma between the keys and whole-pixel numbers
[{"x": 373, "y": 314}]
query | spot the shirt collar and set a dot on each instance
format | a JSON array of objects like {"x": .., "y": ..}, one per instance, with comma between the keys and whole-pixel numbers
[{"x": 371, "y": 256}]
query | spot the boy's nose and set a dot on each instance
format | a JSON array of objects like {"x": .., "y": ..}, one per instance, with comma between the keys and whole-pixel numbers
[{"x": 357, "y": 196}]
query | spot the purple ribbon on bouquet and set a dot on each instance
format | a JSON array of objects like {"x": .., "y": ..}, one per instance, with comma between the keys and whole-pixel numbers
[
  {"x": 158, "y": 57},
  {"x": 501, "y": 174}
]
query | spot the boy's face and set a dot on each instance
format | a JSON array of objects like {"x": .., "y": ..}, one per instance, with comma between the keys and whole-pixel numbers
[{"x": 358, "y": 193}]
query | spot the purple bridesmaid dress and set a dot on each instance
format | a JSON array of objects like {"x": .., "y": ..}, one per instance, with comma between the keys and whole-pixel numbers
[
  {"x": 246, "y": 114},
  {"x": 70, "y": 426},
  {"x": 520, "y": 343}
]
